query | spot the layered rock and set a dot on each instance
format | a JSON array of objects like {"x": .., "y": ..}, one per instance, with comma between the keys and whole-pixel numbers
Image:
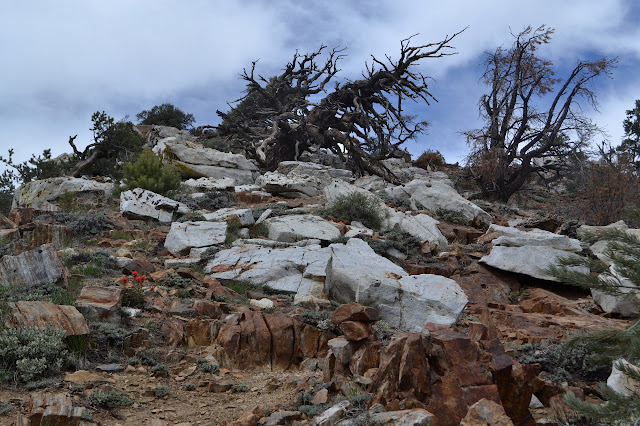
[
  {"x": 140, "y": 203},
  {"x": 40, "y": 314},
  {"x": 34, "y": 268},
  {"x": 42, "y": 194},
  {"x": 184, "y": 236},
  {"x": 291, "y": 228},
  {"x": 292, "y": 269},
  {"x": 195, "y": 161},
  {"x": 100, "y": 304}
]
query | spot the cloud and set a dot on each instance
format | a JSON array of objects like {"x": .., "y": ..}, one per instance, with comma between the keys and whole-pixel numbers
[{"x": 65, "y": 60}]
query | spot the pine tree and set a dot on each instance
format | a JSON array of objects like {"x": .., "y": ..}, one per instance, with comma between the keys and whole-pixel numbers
[
  {"x": 618, "y": 274},
  {"x": 149, "y": 173}
]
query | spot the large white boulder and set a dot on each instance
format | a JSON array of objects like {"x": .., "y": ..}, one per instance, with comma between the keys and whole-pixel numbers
[
  {"x": 184, "y": 236},
  {"x": 513, "y": 237},
  {"x": 290, "y": 228},
  {"x": 438, "y": 194},
  {"x": 527, "y": 260},
  {"x": 194, "y": 160},
  {"x": 420, "y": 226},
  {"x": 296, "y": 269},
  {"x": 292, "y": 186},
  {"x": 211, "y": 184},
  {"x": 627, "y": 303},
  {"x": 357, "y": 274},
  {"x": 140, "y": 203},
  {"x": 41, "y": 194}
]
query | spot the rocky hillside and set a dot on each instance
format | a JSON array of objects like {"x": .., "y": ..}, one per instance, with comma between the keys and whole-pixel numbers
[{"x": 299, "y": 296}]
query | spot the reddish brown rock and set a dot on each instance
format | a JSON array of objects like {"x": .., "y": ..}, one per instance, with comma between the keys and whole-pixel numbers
[
  {"x": 403, "y": 368},
  {"x": 249, "y": 418},
  {"x": 140, "y": 265},
  {"x": 515, "y": 384},
  {"x": 101, "y": 304},
  {"x": 486, "y": 413},
  {"x": 40, "y": 314},
  {"x": 365, "y": 358},
  {"x": 199, "y": 332},
  {"x": 282, "y": 340},
  {"x": 45, "y": 233},
  {"x": 173, "y": 331},
  {"x": 54, "y": 409},
  {"x": 354, "y": 312},
  {"x": 209, "y": 308},
  {"x": 540, "y": 301},
  {"x": 356, "y": 331}
]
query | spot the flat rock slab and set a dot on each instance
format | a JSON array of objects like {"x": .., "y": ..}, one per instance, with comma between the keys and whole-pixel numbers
[
  {"x": 40, "y": 314},
  {"x": 140, "y": 203},
  {"x": 184, "y": 236},
  {"x": 291, "y": 228},
  {"x": 529, "y": 260},
  {"x": 101, "y": 304},
  {"x": 244, "y": 215},
  {"x": 299, "y": 270},
  {"x": 39, "y": 194},
  {"x": 34, "y": 268},
  {"x": 194, "y": 160},
  {"x": 513, "y": 237}
]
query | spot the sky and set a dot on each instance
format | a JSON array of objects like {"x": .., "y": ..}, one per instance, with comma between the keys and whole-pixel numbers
[{"x": 64, "y": 60}]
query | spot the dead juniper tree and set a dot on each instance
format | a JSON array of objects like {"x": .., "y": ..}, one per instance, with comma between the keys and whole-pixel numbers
[
  {"x": 362, "y": 121},
  {"x": 533, "y": 120}
]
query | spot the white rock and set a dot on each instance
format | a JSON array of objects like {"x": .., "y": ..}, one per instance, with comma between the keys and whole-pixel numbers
[
  {"x": 513, "y": 237},
  {"x": 181, "y": 263},
  {"x": 211, "y": 184},
  {"x": 265, "y": 214},
  {"x": 403, "y": 170},
  {"x": 263, "y": 303},
  {"x": 420, "y": 226},
  {"x": 295, "y": 269},
  {"x": 528, "y": 260},
  {"x": 186, "y": 235},
  {"x": 140, "y": 203},
  {"x": 292, "y": 186},
  {"x": 194, "y": 160},
  {"x": 436, "y": 194},
  {"x": 535, "y": 402},
  {"x": 627, "y": 304},
  {"x": 290, "y": 228},
  {"x": 39, "y": 194},
  {"x": 622, "y": 383},
  {"x": 245, "y": 215},
  {"x": 305, "y": 168},
  {"x": 357, "y": 274},
  {"x": 414, "y": 417},
  {"x": 331, "y": 415}
]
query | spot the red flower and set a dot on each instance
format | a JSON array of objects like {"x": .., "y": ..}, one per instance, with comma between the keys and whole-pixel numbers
[
  {"x": 134, "y": 274},
  {"x": 141, "y": 279},
  {"x": 124, "y": 280},
  {"x": 153, "y": 288}
]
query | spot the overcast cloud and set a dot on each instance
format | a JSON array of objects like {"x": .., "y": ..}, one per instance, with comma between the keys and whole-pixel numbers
[{"x": 64, "y": 60}]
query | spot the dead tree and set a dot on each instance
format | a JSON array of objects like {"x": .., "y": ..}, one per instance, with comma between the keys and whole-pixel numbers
[
  {"x": 520, "y": 134},
  {"x": 363, "y": 121}
]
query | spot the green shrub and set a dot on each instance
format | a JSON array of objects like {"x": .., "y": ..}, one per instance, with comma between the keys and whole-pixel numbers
[
  {"x": 5, "y": 407},
  {"x": 240, "y": 388},
  {"x": 359, "y": 207},
  {"x": 189, "y": 386},
  {"x": 147, "y": 172},
  {"x": 210, "y": 368},
  {"x": 30, "y": 353},
  {"x": 38, "y": 384},
  {"x": 160, "y": 370},
  {"x": 312, "y": 410},
  {"x": 160, "y": 391},
  {"x": 166, "y": 115},
  {"x": 112, "y": 399},
  {"x": 383, "y": 331},
  {"x": 452, "y": 216},
  {"x": 395, "y": 238}
]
